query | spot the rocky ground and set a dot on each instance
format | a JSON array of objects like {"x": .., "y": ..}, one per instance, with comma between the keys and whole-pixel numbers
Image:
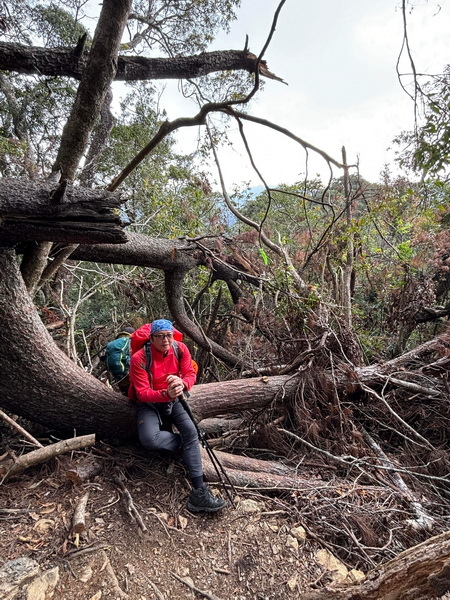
[{"x": 141, "y": 542}]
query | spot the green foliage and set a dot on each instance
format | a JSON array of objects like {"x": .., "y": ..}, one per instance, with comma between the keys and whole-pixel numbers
[
  {"x": 427, "y": 149},
  {"x": 264, "y": 256},
  {"x": 12, "y": 155},
  {"x": 41, "y": 105},
  {"x": 57, "y": 27},
  {"x": 405, "y": 252},
  {"x": 167, "y": 194},
  {"x": 44, "y": 23},
  {"x": 182, "y": 27}
]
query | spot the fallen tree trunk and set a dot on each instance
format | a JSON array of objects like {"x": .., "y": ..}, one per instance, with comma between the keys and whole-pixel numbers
[
  {"x": 250, "y": 472},
  {"x": 419, "y": 573},
  {"x": 58, "y": 213},
  {"x": 258, "y": 480},
  {"x": 219, "y": 426},
  {"x": 244, "y": 463},
  {"x": 236, "y": 396},
  {"x": 40, "y": 383}
]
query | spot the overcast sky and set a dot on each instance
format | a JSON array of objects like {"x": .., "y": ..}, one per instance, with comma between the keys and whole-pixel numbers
[{"x": 338, "y": 58}]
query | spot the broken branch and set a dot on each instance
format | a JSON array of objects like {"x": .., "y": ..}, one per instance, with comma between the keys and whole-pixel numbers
[{"x": 13, "y": 467}]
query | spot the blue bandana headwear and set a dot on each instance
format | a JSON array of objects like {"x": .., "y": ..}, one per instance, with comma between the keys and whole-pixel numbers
[{"x": 161, "y": 325}]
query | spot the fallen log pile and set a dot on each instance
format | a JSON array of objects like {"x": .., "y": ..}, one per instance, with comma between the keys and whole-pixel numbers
[{"x": 361, "y": 459}]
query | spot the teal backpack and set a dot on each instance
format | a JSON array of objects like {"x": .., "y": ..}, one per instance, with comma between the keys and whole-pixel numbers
[{"x": 117, "y": 356}]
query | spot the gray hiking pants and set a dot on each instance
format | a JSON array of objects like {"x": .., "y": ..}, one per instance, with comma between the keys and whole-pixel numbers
[{"x": 153, "y": 437}]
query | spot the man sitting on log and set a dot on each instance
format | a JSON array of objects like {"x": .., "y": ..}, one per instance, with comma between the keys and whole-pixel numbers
[{"x": 160, "y": 372}]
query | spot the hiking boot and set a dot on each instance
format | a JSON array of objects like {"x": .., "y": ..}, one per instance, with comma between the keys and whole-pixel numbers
[{"x": 201, "y": 500}]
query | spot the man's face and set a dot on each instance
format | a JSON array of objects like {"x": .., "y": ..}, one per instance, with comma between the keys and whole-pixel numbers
[{"x": 162, "y": 340}]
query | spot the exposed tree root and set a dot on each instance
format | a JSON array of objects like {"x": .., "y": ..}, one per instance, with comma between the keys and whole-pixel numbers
[{"x": 419, "y": 573}]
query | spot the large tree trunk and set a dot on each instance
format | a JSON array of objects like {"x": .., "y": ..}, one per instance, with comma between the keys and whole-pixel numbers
[
  {"x": 98, "y": 73},
  {"x": 39, "y": 211},
  {"x": 57, "y": 62},
  {"x": 41, "y": 383}
]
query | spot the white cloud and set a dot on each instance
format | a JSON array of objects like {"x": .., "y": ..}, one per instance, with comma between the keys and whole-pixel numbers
[{"x": 339, "y": 59}]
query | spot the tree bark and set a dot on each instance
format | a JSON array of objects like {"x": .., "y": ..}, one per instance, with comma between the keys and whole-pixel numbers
[
  {"x": 63, "y": 62},
  {"x": 98, "y": 73},
  {"x": 144, "y": 251},
  {"x": 420, "y": 573},
  {"x": 39, "y": 211},
  {"x": 33, "y": 263}
]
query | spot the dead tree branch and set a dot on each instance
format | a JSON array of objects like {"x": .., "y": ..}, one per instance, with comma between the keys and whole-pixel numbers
[{"x": 10, "y": 467}]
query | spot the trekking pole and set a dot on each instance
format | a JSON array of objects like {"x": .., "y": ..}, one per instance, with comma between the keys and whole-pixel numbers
[{"x": 215, "y": 461}]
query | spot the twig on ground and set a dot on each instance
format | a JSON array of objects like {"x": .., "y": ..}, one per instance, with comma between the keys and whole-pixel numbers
[
  {"x": 20, "y": 429},
  {"x": 195, "y": 589},
  {"x": 112, "y": 576},
  {"x": 159, "y": 594},
  {"x": 87, "y": 550},
  {"x": 13, "y": 467},
  {"x": 79, "y": 516},
  {"x": 130, "y": 504}
]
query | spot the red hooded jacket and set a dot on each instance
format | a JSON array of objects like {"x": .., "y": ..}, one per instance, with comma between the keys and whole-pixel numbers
[{"x": 153, "y": 388}]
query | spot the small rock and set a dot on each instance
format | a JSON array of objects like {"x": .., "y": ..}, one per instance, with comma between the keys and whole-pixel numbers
[
  {"x": 299, "y": 533},
  {"x": 355, "y": 575},
  {"x": 292, "y": 583},
  {"x": 86, "y": 574},
  {"x": 183, "y": 572},
  {"x": 250, "y": 506},
  {"x": 292, "y": 542},
  {"x": 163, "y": 516},
  {"x": 337, "y": 569},
  {"x": 182, "y": 521},
  {"x": 96, "y": 596},
  {"x": 15, "y": 573},
  {"x": 43, "y": 526},
  {"x": 43, "y": 587}
]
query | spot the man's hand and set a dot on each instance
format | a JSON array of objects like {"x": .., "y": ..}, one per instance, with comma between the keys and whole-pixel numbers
[{"x": 175, "y": 386}]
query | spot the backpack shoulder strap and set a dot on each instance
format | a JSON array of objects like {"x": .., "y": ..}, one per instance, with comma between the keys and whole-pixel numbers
[
  {"x": 177, "y": 350},
  {"x": 148, "y": 356},
  {"x": 148, "y": 353}
]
